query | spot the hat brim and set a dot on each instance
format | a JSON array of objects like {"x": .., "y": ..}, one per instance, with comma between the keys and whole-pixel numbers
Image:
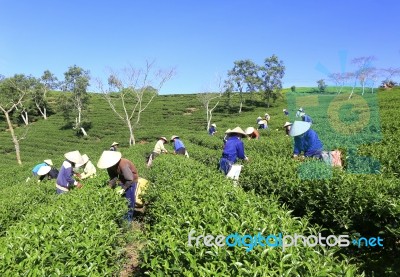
[
  {"x": 108, "y": 159},
  {"x": 249, "y": 130},
  {"x": 85, "y": 159},
  {"x": 238, "y": 131},
  {"x": 74, "y": 156},
  {"x": 43, "y": 170},
  {"x": 298, "y": 128},
  {"x": 49, "y": 162}
]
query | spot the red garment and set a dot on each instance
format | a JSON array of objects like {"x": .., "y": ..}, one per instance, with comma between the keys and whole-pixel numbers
[{"x": 255, "y": 134}]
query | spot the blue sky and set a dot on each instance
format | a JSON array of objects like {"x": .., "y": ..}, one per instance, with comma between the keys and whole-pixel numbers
[{"x": 200, "y": 38}]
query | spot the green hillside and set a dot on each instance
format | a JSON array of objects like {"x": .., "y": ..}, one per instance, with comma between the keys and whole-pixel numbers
[{"x": 82, "y": 234}]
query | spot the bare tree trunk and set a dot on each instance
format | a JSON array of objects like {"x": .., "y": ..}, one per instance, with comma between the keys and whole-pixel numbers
[
  {"x": 14, "y": 138},
  {"x": 83, "y": 131},
  {"x": 131, "y": 134},
  {"x": 363, "y": 87},
  {"x": 241, "y": 102},
  {"x": 24, "y": 116},
  {"x": 352, "y": 90},
  {"x": 42, "y": 112}
]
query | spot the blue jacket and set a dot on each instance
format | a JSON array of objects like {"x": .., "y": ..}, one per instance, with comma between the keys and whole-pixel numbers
[
  {"x": 309, "y": 143},
  {"x": 307, "y": 118},
  {"x": 178, "y": 144},
  {"x": 37, "y": 167},
  {"x": 233, "y": 149},
  {"x": 64, "y": 178},
  {"x": 211, "y": 131}
]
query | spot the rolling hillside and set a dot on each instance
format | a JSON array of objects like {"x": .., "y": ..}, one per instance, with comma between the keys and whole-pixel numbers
[{"x": 188, "y": 194}]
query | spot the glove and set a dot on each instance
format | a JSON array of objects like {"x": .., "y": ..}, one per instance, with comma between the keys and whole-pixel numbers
[
  {"x": 120, "y": 191},
  {"x": 79, "y": 185}
]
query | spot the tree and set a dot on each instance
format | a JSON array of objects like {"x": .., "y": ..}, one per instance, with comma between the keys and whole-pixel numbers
[
  {"x": 76, "y": 81},
  {"x": 321, "y": 85},
  {"x": 339, "y": 79},
  {"x": 364, "y": 69},
  {"x": 13, "y": 92},
  {"x": 389, "y": 74},
  {"x": 46, "y": 83},
  {"x": 242, "y": 77},
  {"x": 207, "y": 99},
  {"x": 293, "y": 88},
  {"x": 131, "y": 91},
  {"x": 272, "y": 73}
]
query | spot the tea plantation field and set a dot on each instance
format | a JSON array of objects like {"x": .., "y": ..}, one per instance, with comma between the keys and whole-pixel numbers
[{"x": 83, "y": 233}]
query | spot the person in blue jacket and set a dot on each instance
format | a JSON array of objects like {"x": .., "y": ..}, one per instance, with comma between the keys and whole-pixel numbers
[
  {"x": 305, "y": 140},
  {"x": 65, "y": 180},
  {"x": 179, "y": 147},
  {"x": 286, "y": 112},
  {"x": 212, "y": 129},
  {"x": 233, "y": 150},
  {"x": 305, "y": 117}
]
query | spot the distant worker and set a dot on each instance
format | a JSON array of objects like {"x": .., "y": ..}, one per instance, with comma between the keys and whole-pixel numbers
[
  {"x": 287, "y": 127},
  {"x": 267, "y": 117},
  {"x": 89, "y": 169},
  {"x": 262, "y": 124},
  {"x": 44, "y": 170},
  {"x": 179, "y": 147},
  {"x": 65, "y": 181},
  {"x": 299, "y": 111},
  {"x": 234, "y": 149},
  {"x": 252, "y": 133},
  {"x": 305, "y": 140},
  {"x": 212, "y": 129},
  {"x": 305, "y": 117},
  {"x": 258, "y": 119},
  {"x": 114, "y": 146},
  {"x": 122, "y": 172},
  {"x": 286, "y": 112},
  {"x": 158, "y": 149}
]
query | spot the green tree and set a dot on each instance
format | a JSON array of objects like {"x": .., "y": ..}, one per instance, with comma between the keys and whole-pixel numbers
[
  {"x": 271, "y": 82},
  {"x": 243, "y": 77},
  {"x": 76, "y": 81},
  {"x": 13, "y": 92},
  {"x": 321, "y": 85}
]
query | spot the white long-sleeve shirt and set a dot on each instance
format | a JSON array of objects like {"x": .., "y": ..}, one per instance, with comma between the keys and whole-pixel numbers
[
  {"x": 89, "y": 170},
  {"x": 159, "y": 147}
]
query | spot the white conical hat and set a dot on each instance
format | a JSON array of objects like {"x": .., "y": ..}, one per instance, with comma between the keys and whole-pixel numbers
[
  {"x": 174, "y": 137},
  {"x": 49, "y": 162},
  {"x": 114, "y": 143},
  {"x": 237, "y": 130},
  {"x": 227, "y": 131},
  {"x": 43, "y": 170},
  {"x": 261, "y": 122},
  {"x": 74, "y": 156},
  {"x": 85, "y": 159},
  {"x": 287, "y": 124},
  {"x": 214, "y": 125},
  {"x": 108, "y": 159},
  {"x": 298, "y": 128},
  {"x": 249, "y": 130}
]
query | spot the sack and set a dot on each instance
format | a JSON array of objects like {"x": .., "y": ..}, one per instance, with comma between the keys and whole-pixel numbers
[
  {"x": 141, "y": 187},
  {"x": 234, "y": 172},
  {"x": 186, "y": 154},
  {"x": 332, "y": 158}
]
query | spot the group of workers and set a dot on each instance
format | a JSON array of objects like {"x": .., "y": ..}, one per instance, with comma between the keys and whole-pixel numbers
[{"x": 123, "y": 173}]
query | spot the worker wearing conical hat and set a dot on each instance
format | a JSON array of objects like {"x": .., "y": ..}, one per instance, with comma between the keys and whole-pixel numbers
[
  {"x": 158, "y": 149},
  {"x": 122, "y": 172},
  {"x": 114, "y": 146},
  {"x": 89, "y": 170},
  {"x": 252, "y": 133},
  {"x": 305, "y": 140},
  {"x": 234, "y": 149},
  {"x": 179, "y": 147},
  {"x": 212, "y": 129},
  {"x": 65, "y": 181}
]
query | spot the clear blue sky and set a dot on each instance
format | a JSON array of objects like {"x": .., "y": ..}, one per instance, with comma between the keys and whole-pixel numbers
[{"x": 201, "y": 38}]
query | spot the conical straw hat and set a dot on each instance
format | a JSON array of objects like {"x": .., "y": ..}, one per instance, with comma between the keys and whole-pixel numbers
[
  {"x": 49, "y": 162},
  {"x": 108, "y": 159},
  {"x": 114, "y": 143},
  {"x": 43, "y": 170},
  {"x": 74, "y": 156},
  {"x": 237, "y": 130},
  {"x": 249, "y": 130},
  {"x": 174, "y": 137},
  {"x": 287, "y": 124},
  {"x": 227, "y": 131},
  {"x": 298, "y": 128},
  {"x": 85, "y": 159}
]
